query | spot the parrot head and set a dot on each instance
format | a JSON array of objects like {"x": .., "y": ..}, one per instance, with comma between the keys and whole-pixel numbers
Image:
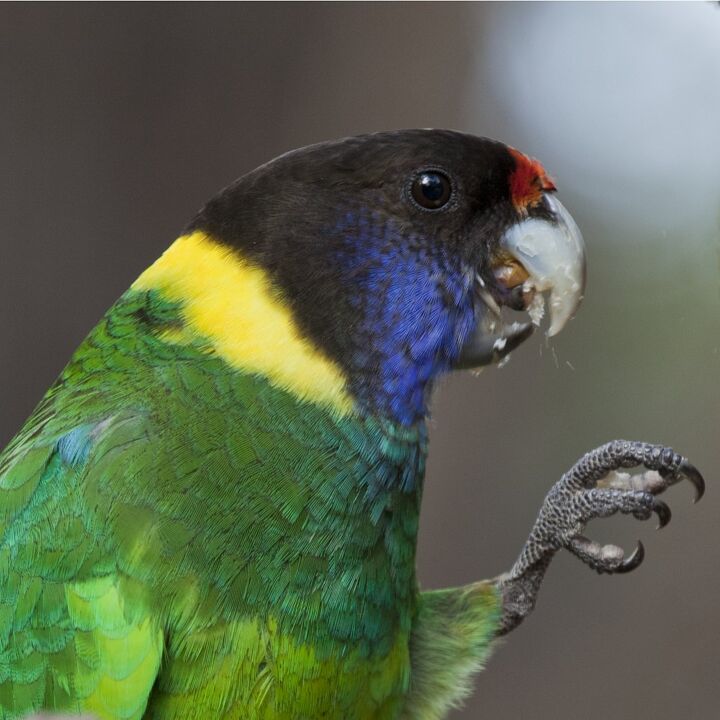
[{"x": 397, "y": 251}]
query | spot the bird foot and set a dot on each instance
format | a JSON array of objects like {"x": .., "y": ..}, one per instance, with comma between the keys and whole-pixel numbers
[{"x": 594, "y": 488}]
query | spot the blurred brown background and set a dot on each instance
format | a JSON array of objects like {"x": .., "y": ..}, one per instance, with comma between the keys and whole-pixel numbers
[{"x": 118, "y": 121}]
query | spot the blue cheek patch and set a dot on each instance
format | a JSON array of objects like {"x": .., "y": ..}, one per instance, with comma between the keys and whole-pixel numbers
[{"x": 415, "y": 312}]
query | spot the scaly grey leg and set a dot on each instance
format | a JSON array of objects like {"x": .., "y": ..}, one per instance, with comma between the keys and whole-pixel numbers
[{"x": 593, "y": 488}]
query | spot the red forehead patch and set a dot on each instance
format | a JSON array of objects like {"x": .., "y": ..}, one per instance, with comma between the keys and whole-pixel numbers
[{"x": 528, "y": 181}]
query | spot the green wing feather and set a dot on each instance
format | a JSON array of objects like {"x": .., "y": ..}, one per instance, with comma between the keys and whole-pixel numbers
[
  {"x": 67, "y": 638},
  {"x": 178, "y": 535},
  {"x": 179, "y": 540}
]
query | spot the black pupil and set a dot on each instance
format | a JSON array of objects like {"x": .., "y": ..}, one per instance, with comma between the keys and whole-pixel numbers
[
  {"x": 431, "y": 190},
  {"x": 433, "y": 186}
]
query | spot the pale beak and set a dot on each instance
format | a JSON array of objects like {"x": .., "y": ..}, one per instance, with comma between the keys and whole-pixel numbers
[
  {"x": 553, "y": 254},
  {"x": 538, "y": 257}
]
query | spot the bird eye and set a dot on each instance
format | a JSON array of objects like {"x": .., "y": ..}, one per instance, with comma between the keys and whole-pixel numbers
[{"x": 431, "y": 190}]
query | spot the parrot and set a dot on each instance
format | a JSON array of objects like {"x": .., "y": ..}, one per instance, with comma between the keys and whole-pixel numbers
[{"x": 213, "y": 512}]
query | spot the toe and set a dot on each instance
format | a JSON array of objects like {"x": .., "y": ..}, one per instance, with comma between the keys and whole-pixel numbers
[{"x": 605, "y": 558}]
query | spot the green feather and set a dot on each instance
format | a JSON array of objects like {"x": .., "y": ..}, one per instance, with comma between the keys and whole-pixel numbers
[{"x": 182, "y": 540}]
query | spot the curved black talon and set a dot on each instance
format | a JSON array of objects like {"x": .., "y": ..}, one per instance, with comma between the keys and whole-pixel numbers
[
  {"x": 664, "y": 515},
  {"x": 692, "y": 475},
  {"x": 629, "y": 564}
]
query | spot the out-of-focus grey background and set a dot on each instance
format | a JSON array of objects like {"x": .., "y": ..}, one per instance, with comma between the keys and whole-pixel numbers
[{"x": 118, "y": 121}]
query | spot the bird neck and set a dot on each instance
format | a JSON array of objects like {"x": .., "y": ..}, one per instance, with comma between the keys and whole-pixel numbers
[
  {"x": 396, "y": 314},
  {"x": 410, "y": 312}
]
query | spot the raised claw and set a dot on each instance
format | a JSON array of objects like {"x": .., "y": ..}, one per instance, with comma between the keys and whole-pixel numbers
[
  {"x": 690, "y": 473},
  {"x": 664, "y": 515},
  {"x": 595, "y": 487},
  {"x": 635, "y": 559}
]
